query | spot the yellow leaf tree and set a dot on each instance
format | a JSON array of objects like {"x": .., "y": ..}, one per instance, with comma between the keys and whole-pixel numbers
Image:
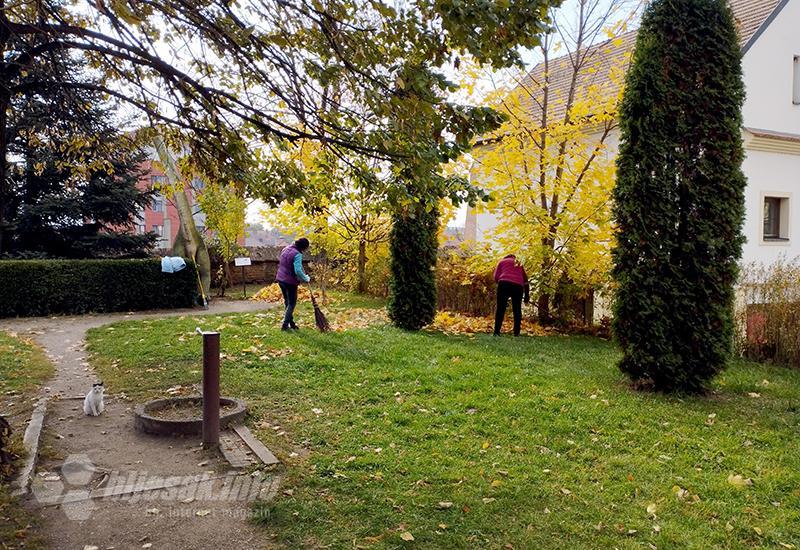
[
  {"x": 344, "y": 211},
  {"x": 550, "y": 167},
  {"x": 224, "y": 208}
]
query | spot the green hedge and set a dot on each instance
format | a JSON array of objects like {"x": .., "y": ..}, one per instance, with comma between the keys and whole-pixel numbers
[{"x": 44, "y": 287}]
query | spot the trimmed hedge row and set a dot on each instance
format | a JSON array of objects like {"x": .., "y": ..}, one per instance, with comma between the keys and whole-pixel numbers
[{"x": 44, "y": 287}]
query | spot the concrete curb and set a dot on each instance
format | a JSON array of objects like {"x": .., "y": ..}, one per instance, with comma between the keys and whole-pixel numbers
[{"x": 21, "y": 484}]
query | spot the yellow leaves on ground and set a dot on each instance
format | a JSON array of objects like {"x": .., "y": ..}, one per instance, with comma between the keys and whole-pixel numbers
[
  {"x": 357, "y": 318},
  {"x": 265, "y": 354},
  {"x": 456, "y": 323},
  {"x": 272, "y": 294}
]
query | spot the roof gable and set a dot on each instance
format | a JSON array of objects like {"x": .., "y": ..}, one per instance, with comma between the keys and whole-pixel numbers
[{"x": 751, "y": 16}]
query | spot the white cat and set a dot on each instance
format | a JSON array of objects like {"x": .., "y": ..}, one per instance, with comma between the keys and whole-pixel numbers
[{"x": 93, "y": 404}]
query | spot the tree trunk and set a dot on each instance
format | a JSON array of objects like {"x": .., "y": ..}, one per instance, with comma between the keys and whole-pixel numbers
[
  {"x": 323, "y": 280},
  {"x": 543, "y": 302},
  {"x": 362, "y": 267},
  {"x": 190, "y": 243},
  {"x": 5, "y": 100},
  {"x": 543, "y": 309},
  {"x": 227, "y": 278}
]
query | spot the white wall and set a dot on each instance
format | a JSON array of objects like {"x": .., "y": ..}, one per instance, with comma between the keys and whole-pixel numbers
[
  {"x": 770, "y": 174},
  {"x": 768, "y": 73}
]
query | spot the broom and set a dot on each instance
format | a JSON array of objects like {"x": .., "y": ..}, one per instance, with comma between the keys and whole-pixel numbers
[{"x": 319, "y": 317}]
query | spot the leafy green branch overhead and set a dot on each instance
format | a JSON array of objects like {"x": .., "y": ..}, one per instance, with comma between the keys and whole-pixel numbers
[{"x": 226, "y": 77}]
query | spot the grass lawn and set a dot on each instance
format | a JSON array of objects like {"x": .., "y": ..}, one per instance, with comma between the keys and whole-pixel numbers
[
  {"x": 23, "y": 369},
  {"x": 482, "y": 442}
]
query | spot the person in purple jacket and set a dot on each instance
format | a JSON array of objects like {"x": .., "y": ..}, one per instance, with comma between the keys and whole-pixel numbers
[
  {"x": 512, "y": 282},
  {"x": 290, "y": 274}
]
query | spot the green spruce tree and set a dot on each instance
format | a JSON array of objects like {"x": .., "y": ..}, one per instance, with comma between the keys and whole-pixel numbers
[
  {"x": 72, "y": 184},
  {"x": 679, "y": 197}
]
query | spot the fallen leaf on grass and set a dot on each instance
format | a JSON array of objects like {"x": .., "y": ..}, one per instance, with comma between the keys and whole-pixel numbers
[
  {"x": 444, "y": 505},
  {"x": 739, "y": 481},
  {"x": 406, "y": 536},
  {"x": 566, "y": 491},
  {"x": 680, "y": 492},
  {"x": 651, "y": 509}
]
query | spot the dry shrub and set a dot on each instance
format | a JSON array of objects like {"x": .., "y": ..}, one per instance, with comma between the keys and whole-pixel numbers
[
  {"x": 768, "y": 312},
  {"x": 462, "y": 286}
]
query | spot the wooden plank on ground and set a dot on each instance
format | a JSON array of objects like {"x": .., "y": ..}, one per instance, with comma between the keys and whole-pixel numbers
[{"x": 256, "y": 446}]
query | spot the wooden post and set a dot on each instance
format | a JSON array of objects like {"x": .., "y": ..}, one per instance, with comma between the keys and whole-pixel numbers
[{"x": 210, "y": 389}]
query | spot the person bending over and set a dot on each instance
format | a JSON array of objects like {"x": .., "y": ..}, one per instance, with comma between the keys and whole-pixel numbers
[
  {"x": 512, "y": 282},
  {"x": 290, "y": 275}
]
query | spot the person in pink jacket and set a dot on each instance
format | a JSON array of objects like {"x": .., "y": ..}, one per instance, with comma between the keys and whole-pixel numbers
[{"x": 512, "y": 282}]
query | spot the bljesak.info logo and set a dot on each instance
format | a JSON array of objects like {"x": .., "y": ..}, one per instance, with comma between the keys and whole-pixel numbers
[{"x": 81, "y": 488}]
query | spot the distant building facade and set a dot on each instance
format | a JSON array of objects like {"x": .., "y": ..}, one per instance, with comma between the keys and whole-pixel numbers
[{"x": 161, "y": 215}]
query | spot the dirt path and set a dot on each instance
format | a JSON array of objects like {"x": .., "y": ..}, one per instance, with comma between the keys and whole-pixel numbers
[{"x": 198, "y": 505}]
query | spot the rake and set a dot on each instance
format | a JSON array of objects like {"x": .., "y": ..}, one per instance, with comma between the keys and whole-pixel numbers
[{"x": 319, "y": 318}]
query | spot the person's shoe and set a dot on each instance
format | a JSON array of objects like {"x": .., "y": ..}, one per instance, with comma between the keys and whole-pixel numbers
[
  {"x": 286, "y": 328},
  {"x": 294, "y": 327}
]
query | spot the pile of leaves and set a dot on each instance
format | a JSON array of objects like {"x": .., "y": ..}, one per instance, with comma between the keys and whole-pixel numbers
[
  {"x": 457, "y": 323},
  {"x": 272, "y": 293},
  {"x": 357, "y": 318}
]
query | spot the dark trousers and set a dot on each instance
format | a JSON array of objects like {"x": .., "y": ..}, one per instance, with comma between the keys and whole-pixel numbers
[
  {"x": 290, "y": 301},
  {"x": 506, "y": 290}
]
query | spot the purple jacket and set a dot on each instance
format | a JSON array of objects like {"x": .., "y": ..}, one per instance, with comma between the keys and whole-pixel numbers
[{"x": 285, "y": 272}]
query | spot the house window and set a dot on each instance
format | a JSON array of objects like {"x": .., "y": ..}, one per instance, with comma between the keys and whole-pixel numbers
[
  {"x": 158, "y": 203},
  {"x": 141, "y": 229},
  {"x": 158, "y": 230},
  {"x": 776, "y": 219},
  {"x": 796, "y": 87}
]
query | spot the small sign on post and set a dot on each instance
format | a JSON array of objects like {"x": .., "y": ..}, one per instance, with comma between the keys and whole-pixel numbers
[{"x": 243, "y": 262}]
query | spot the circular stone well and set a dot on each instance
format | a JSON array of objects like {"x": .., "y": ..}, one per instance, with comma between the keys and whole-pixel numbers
[{"x": 146, "y": 418}]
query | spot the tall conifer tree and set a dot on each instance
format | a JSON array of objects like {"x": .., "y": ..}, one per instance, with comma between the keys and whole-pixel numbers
[{"x": 679, "y": 197}]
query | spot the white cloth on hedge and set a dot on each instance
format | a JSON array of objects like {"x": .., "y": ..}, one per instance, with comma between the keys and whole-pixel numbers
[{"x": 172, "y": 264}]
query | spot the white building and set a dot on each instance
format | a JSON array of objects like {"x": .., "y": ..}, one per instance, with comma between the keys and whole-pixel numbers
[{"x": 770, "y": 37}]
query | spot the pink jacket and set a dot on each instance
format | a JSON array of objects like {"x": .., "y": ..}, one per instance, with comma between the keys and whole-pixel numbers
[{"x": 509, "y": 270}]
